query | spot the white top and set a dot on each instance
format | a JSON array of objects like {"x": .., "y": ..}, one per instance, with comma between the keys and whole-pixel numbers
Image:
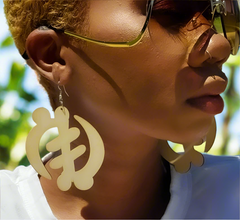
[{"x": 207, "y": 192}]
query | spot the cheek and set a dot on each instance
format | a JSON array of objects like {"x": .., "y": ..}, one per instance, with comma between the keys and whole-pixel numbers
[
  {"x": 141, "y": 86},
  {"x": 144, "y": 73}
]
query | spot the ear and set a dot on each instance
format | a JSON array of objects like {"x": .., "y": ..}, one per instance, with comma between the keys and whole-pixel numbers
[{"x": 44, "y": 48}]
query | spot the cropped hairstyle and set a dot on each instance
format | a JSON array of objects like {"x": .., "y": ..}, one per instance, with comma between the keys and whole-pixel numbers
[{"x": 24, "y": 16}]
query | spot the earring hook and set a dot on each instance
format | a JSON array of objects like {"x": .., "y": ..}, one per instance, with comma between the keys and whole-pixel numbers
[{"x": 60, "y": 97}]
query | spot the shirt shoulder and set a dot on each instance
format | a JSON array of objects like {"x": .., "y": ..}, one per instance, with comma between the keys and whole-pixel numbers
[
  {"x": 22, "y": 196},
  {"x": 12, "y": 203},
  {"x": 215, "y": 188}
]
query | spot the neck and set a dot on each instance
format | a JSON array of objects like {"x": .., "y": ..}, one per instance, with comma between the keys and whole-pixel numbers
[{"x": 128, "y": 185}]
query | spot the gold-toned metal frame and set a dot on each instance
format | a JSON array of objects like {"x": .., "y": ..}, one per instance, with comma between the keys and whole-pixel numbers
[
  {"x": 131, "y": 43},
  {"x": 215, "y": 4},
  {"x": 228, "y": 15}
]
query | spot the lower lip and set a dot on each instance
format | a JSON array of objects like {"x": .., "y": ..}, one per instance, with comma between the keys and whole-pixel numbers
[{"x": 211, "y": 104}]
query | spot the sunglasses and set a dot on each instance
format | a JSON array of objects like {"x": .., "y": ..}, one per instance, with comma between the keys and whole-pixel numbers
[{"x": 224, "y": 19}]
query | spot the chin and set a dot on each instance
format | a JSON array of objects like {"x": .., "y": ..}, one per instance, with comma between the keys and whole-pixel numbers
[{"x": 194, "y": 136}]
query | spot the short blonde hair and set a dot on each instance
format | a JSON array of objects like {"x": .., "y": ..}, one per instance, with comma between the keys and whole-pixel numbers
[{"x": 24, "y": 16}]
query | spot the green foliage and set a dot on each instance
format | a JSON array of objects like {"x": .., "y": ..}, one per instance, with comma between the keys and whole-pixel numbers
[
  {"x": 8, "y": 41},
  {"x": 14, "y": 118},
  {"x": 16, "y": 77},
  {"x": 14, "y": 115}
]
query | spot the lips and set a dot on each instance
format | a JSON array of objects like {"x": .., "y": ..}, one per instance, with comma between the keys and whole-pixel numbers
[{"x": 211, "y": 104}]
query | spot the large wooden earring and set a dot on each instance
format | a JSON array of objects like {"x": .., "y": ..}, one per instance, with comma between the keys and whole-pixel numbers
[
  {"x": 83, "y": 178},
  {"x": 182, "y": 161}
]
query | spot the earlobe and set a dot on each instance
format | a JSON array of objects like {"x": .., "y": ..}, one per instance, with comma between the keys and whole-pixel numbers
[
  {"x": 60, "y": 73},
  {"x": 43, "y": 47}
]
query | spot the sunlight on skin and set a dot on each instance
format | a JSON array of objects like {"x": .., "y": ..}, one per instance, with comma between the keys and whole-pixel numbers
[{"x": 6, "y": 57}]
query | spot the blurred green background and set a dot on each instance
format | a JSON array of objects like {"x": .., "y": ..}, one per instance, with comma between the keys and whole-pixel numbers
[{"x": 20, "y": 94}]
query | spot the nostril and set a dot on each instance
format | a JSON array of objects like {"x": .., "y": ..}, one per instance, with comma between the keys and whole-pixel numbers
[
  {"x": 213, "y": 61},
  {"x": 214, "y": 50},
  {"x": 210, "y": 55},
  {"x": 218, "y": 57}
]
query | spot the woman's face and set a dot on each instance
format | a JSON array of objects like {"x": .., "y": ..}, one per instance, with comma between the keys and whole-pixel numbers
[{"x": 165, "y": 87}]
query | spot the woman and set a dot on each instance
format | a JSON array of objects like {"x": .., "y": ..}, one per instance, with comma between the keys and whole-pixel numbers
[{"x": 138, "y": 73}]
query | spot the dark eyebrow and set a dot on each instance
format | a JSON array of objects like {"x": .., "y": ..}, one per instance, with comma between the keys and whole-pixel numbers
[
  {"x": 180, "y": 6},
  {"x": 164, "y": 5}
]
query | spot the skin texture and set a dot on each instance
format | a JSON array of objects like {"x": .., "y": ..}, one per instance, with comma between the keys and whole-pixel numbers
[{"x": 133, "y": 97}]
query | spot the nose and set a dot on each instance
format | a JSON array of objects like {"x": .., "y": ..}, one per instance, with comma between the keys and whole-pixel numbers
[{"x": 211, "y": 48}]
